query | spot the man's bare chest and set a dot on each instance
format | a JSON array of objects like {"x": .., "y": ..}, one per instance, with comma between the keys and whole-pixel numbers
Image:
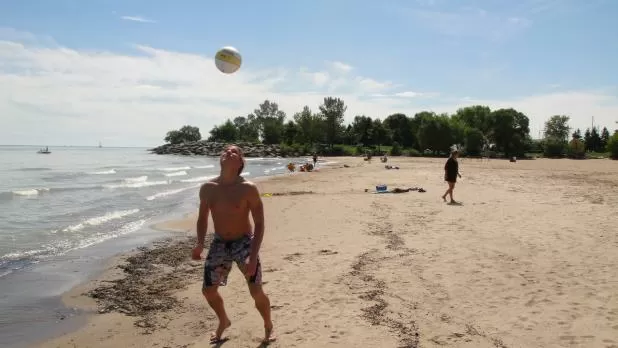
[{"x": 228, "y": 201}]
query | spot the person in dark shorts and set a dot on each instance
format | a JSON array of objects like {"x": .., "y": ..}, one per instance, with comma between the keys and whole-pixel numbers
[
  {"x": 315, "y": 159},
  {"x": 451, "y": 172},
  {"x": 231, "y": 199}
]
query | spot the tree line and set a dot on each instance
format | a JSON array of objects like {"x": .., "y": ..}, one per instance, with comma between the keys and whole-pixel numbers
[
  {"x": 556, "y": 139},
  {"x": 475, "y": 129}
]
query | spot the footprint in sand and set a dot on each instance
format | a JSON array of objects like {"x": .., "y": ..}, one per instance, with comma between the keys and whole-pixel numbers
[
  {"x": 328, "y": 252},
  {"x": 292, "y": 257}
]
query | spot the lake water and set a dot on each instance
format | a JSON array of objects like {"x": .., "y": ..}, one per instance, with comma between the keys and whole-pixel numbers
[{"x": 63, "y": 213}]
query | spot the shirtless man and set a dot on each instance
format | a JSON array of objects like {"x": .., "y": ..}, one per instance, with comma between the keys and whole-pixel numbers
[{"x": 230, "y": 198}]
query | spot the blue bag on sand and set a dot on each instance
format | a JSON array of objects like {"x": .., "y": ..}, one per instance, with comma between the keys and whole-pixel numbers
[{"x": 381, "y": 188}]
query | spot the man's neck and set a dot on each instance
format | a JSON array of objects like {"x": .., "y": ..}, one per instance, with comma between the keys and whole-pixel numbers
[{"x": 227, "y": 177}]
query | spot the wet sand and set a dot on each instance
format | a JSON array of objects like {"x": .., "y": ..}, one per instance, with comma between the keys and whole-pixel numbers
[{"x": 527, "y": 260}]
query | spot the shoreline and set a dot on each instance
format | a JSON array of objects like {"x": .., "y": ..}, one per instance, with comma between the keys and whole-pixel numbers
[
  {"x": 349, "y": 245},
  {"x": 178, "y": 228}
]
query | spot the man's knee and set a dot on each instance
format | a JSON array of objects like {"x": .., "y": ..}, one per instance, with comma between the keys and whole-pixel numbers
[
  {"x": 256, "y": 291},
  {"x": 210, "y": 292}
]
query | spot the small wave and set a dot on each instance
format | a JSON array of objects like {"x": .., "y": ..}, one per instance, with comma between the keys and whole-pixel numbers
[
  {"x": 180, "y": 173},
  {"x": 169, "y": 193},
  {"x": 199, "y": 179},
  {"x": 245, "y": 173},
  {"x": 142, "y": 178},
  {"x": 205, "y": 167},
  {"x": 30, "y": 192},
  {"x": 136, "y": 184},
  {"x": 32, "y": 169},
  {"x": 23, "y": 254},
  {"x": 104, "y": 172},
  {"x": 272, "y": 169},
  {"x": 101, "y": 219},
  {"x": 174, "y": 169},
  {"x": 99, "y": 238},
  {"x": 18, "y": 260}
]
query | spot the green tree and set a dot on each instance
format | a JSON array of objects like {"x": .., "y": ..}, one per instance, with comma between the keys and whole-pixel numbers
[
  {"x": 509, "y": 131},
  {"x": 576, "y": 148},
  {"x": 476, "y": 116},
  {"x": 290, "y": 132},
  {"x": 362, "y": 129},
  {"x": 269, "y": 120},
  {"x": 588, "y": 139},
  {"x": 577, "y": 134},
  {"x": 612, "y": 146},
  {"x": 401, "y": 130},
  {"x": 474, "y": 141},
  {"x": 558, "y": 127},
  {"x": 435, "y": 132},
  {"x": 349, "y": 138},
  {"x": 247, "y": 128},
  {"x": 310, "y": 126},
  {"x": 593, "y": 140},
  {"x": 183, "y": 135},
  {"x": 458, "y": 130},
  {"x": 554, "y": 147},
  {"x": 226, "y": 133},
  {"x": 380, "y": 134},
  {"x": 332, "y": 111},
  {"x": 604, "y": 138}
]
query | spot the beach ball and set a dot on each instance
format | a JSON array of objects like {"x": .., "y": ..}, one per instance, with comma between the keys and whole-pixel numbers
[{"x": 228, "y": 60}]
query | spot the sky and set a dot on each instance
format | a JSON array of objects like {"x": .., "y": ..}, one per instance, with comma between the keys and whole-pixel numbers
[{"x": 126, "y": 72}]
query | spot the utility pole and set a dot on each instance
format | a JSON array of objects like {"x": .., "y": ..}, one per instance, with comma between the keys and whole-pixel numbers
[{"x": 592, "y": 124}]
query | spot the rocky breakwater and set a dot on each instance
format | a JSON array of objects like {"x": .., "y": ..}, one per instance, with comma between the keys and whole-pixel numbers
[{"x": 204, "y": 148}]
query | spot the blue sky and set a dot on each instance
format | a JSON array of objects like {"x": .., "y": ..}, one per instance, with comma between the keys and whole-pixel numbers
[{"x": 126, "y": 72}]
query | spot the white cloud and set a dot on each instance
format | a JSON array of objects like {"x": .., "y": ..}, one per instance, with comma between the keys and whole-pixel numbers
[
  {"x": 57, "y": 95},
  {"x": 412, "y": 94},
  {"x": 138, "y": 19},
  {"x": 341, "y": 67}
]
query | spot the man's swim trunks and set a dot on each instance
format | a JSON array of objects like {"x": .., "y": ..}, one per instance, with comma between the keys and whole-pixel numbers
[{"x": 222, "y": 253}]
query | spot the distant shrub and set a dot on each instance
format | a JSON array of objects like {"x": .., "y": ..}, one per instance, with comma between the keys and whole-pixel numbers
[
  {"x": 612, "y": 146},
  {"x": 295, "y": 150},
  {"x": 554, "y": 148},
  {"x": 396, "y": 149},
  {"x": 338, "y": 150},
  {"x": 576, "y": 149},
  {"x": 359, "y": 150},
  {"x": 413, "y": 153}
]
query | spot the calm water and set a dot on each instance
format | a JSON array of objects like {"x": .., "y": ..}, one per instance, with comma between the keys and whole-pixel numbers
[
  {"x": 76, "y": 197},
  {"x": 57, "y": 211}
]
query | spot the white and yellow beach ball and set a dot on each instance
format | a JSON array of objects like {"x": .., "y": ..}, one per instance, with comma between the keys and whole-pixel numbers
[{"x": 228, "y": 60}]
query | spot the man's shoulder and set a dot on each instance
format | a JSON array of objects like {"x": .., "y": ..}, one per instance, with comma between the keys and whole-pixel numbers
[
  {"x": 210, "y": 184},
  {"x": 248, "y": 183},
  {"x": 248, "y": 186}
]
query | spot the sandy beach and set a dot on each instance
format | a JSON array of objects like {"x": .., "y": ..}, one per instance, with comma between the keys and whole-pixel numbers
[{"x": 527, "y": 260}]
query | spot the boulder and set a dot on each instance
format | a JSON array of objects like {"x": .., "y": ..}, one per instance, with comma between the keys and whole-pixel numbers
[{"x": 214, "y": 149}]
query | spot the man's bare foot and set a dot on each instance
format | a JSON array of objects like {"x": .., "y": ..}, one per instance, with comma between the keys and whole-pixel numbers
[
  {"x": 216, "y": 336},
  {"x": 444, "y": 198},
  {"x": 269, "y": 336}
]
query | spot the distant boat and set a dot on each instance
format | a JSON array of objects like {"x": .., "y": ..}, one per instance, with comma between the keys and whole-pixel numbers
[
  {"x": 100, "y": 145},
  {"x": 44, "y": 151}
]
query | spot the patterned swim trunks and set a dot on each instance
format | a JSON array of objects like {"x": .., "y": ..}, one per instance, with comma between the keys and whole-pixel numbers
[{"x": 222, "y": 253}]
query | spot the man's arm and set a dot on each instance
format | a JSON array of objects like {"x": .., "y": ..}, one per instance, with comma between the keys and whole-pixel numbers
[
  {"x": 202, "y": 217},
  {"x": 257, "y": 212}
]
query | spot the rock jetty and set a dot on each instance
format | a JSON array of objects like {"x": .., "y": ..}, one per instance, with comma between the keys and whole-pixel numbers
[{"x": 204, "y": 148}]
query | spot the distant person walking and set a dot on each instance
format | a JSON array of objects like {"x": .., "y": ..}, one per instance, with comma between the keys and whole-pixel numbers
[
  {"x": 315, "y": 159},
  {"x": 451, "y": 172},
  {"x": 230, "y": 198}
]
